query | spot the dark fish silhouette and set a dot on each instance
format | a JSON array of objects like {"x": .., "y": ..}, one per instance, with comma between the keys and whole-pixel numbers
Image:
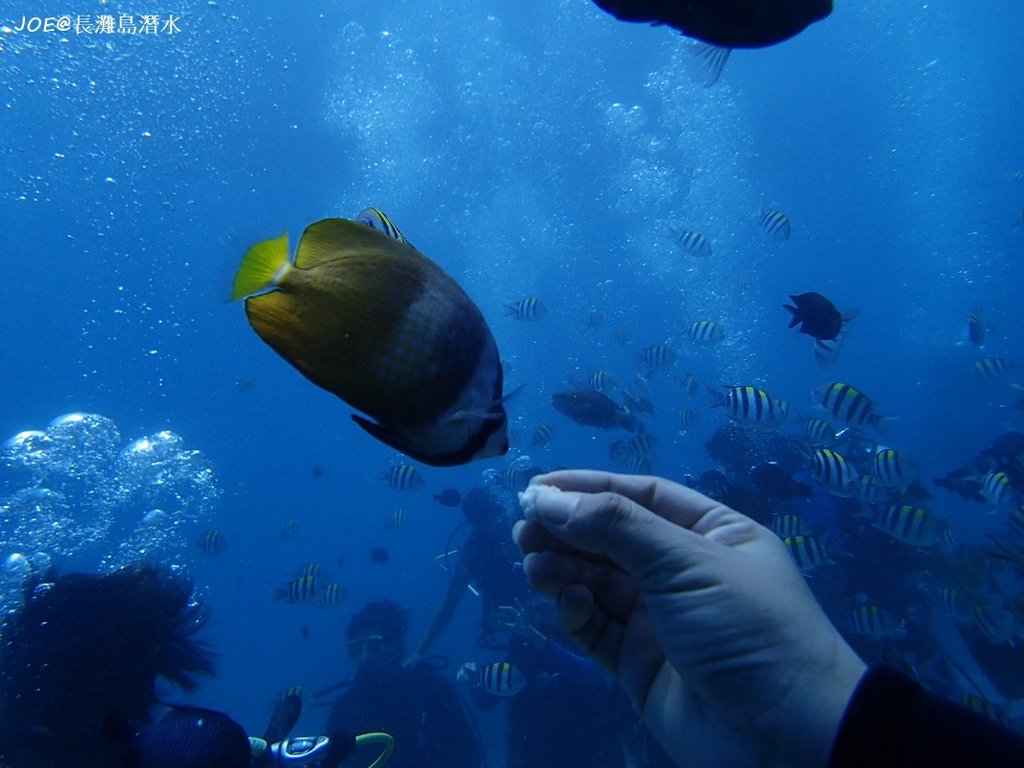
[
  {"x": 379, "y": 555},
  {"x": 593, "y": 409},
  {"x": 449, "y": 497},
  {"x": 775, "y": 483},
  {"x": 816, "y": 316},
  {"x": 1006, "y": 446},
  {"x": 725, "y": 23}
]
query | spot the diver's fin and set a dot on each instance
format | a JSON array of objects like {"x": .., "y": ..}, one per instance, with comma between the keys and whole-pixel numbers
[
  {"x": 285, "y": 716},
  {"x": 707, "y": 62},
  {"x": 261, "y": 267}
]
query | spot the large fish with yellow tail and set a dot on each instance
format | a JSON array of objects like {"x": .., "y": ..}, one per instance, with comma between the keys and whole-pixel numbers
[{"x": 369, "y": 318}]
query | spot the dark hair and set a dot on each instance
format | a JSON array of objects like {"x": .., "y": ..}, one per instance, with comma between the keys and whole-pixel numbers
[
  {"x": 481, "y": 507},
  {"x": 382, "y": 617},
  {"x": 84, "y": 648}
]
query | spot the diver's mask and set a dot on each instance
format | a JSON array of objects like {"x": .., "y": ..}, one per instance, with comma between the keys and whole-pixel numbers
[{"x": 363, "y": 648}]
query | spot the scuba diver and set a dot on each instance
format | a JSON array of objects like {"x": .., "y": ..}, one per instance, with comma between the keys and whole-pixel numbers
[
  {"x": 80, "y": 658},
  {"x": 419, "y": 707},
  {"x": 487, "y": 565},
  {"x": 560, "y": 710}
]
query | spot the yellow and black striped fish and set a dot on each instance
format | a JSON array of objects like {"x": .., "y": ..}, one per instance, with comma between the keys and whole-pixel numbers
[
  {"x": 808, "y": 552},
  {"x": 706, "y": 332},
  {"x": 511, "y": 479},
  {"x": 849, "y": 405},
  {"x": 502, "y": 679},
  {"x": 976, "y": 328},
  {"x": 819, "y": 432},
  {"x": 832, "y": 470},
  {"x": 694, "y": 243},
  {"x": 996, "y": 487},
  {"x": 870, "y": 491},
  {"x": 787, "y": 525},
  {"x": 212, "y": 542},
  {"x": 955, "y": 603},
  {"x": 543, "y": 435},
  {"x": 911, "y": 525},
  {"x": 375, "y": 218},
  {"x": 529, "y": 308},
  {"x": 372, "y": 320},
  {"x": 991, "y": 368},
  {"x": 298, "y": 590},
  {"x": 775, "y": 223},
  {"x": 687, "y": 418},
  {"x": 875, "y": 622},
  {"x": 601, "y": 381},
  {"x": 657, "y": 356},
  {"x": 397, "y": 519},
  {"x": 311, "y": 569},
  {"x": 402, "y": 477},
  {"x": 333, "y": 594},
  {"x": 749, "y": 405},
  {"x": 894, "y": 469},
  {"x": 639, "y": 445}
]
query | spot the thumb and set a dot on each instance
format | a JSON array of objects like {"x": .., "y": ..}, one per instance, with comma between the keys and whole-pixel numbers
[{"x": 609, "y": 524}]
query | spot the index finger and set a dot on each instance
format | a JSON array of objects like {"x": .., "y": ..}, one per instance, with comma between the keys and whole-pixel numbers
[{"x": 672, "y": 501}]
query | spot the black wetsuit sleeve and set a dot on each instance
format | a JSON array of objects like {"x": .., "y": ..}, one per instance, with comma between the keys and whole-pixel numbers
[{"x": 892, "y": 722}]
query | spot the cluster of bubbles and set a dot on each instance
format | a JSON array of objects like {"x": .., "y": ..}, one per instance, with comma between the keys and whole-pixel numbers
[{"x": 71, "y": 493}]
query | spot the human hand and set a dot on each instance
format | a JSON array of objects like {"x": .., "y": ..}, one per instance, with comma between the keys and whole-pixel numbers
[
  {"x": 468, "y": 674},
  {"x": 696, "y": 610},
  {"x": 412, "y": 661},
  {"x": 514, "y": 618}
]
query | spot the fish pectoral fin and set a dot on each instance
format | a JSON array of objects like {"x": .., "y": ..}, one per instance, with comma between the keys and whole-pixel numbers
[
  {"x": 261, "y": 267},
  {"x": 385, "y": 435},
  {"x": 706, "y": 62},
  {"x": 397, "y": 442},
  {"x": 508, "y": 396},
  {"x": 494, "y": 411}
]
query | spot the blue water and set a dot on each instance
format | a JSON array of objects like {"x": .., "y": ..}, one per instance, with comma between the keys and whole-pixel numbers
[{"x": 532, "y": 149}]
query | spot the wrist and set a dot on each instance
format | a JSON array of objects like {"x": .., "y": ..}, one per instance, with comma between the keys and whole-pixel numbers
[{"x": 806, "y": 721}]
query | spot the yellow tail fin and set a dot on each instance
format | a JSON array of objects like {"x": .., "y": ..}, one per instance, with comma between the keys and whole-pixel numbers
[{"x": 260, "y": 267}]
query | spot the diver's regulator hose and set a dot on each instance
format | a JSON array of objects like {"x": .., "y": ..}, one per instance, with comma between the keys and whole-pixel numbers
[{"x": 379, "y": 737}]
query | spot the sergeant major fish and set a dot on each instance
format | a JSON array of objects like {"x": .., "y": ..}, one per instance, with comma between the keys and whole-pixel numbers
[{"x": 749, "y": 405}]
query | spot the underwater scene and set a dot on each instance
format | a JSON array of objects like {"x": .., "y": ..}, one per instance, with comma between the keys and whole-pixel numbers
[{"x": 303, "y": 295}]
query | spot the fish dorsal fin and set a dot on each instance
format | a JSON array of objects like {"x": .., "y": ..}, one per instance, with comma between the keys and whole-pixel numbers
[{"x": 325, "y": 239}]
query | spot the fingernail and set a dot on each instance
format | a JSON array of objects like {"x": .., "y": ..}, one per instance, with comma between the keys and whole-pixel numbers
[{"x": 555, "y": 506}]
